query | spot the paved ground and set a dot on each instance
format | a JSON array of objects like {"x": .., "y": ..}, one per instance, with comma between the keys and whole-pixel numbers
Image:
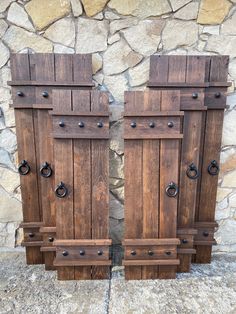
[{"x": 29, "y": 289}]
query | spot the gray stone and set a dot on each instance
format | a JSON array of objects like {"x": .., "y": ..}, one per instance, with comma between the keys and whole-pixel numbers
[
  {"x": 109, "y": 15},
  {"x": 119, "y": 57},
  {"x": 5, "y": 75},
  {"x": 8, "y": 140},
  {"x": 7, "y": 234},
  {"x": 145, "y": 37},
  {"x": 177, "y": 4},
  {"x": 116, "y": 84},
  {"x": 213, "y": 30},
  {"x": 98, "y": 77},
  {"x": 226, "y": 232},
  {"x": 5, "y": 159},
  {"x": 187, "y": 34},
  {"x": 4, "y": 53},
  {"x": 3, "y": 27},
  {"x": 121, "y": 24},
  {"x": 116, "y": 135},
  {"x": 91, "y": 36},
  {"x": 18, "y": 16},
  {"x": 9, "y": 180},
  {"x": 139, "y": 75},
  {"x": 76, "y": 8},
  {"x": 17, "y": 39},
  {"x": 189, "y": 12},
  {"x": 114, "y": 38},
  {"x": 116, "y": 165},
  {"x": 116, "y": 230},
  {"x": 232, "y": 69},
  {"x": 229, "y": 130},
  {"x": 63, "y": 49},
  {"x": 229, "y": 180},
  {"x": 225, "y": 45},
  {"x": 62, "y": 32},
  {"x": 116, "y": 208},
  {"x": 116, "y": 112},
  {"x": 119, "y": 193},
  {"x": 4, "y": 4},
  {"x": 96, "y": 62},
  {"x": 10, "y": 208}
]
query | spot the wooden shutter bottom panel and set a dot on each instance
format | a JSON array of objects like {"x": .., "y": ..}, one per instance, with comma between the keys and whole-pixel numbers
[
  {"x": 151, "y": 165},
  {"x": 81, "y": 151}
]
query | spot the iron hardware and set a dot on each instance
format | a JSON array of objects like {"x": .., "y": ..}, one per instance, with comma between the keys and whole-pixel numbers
[
  {"x": 172, "y": 189},
  {"x": 152, "y": 125},
  {"x": 50, "y": 239},
  {"x": 99, "y": 124},
  {"x": 23, "y": 167},
  {"x": 20, "y": 93},
  {"x": 61, "y": 190},
  {"x": 170, "y": 124},
  {"x": 168, "y": 253},
  {"x": 150, "y": 253},
  {"x": 82, "y": 252},
  {"x": 45, "y": 94},
  {"x": 65, "y": 253},
  {"x": 100, "y": 253},
  {"x": 205, "y": 233},
  {"x": 195, "y": 95},
  {"x": 31, "y": 235},
  {"x": 133, "y": 124},
  {"x": 213, "y": 168},
  {"x": 46, "y": 170},
  {"x": 184, "y": 241},
  {"x": 217, "y": 95},
  {"x": 61, "y": 124},
  {"x": 192, "y": 172},
  {"x": 133, "y": 253},
  {"x": 81, "y": 124}
]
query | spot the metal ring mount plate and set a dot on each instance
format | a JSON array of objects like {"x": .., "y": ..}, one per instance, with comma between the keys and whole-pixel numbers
[
  {"x": 45, "y": 170},
  {"x": 172, "y": 189},
  {"x": 192, "y": 172},
  {"x": 23, "y": 168},
  {"x": 213, "y": 168}
]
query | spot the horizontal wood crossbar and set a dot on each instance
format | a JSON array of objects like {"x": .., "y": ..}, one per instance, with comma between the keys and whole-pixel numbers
[
  {"x": 187, "y": 85},
  {"x": 186, "y": 251},
  {"x": 206, "y": 224},
  {"x": 153, "y": 113},
  {"x": 153, "y": 136},
  {"x": 31, "y": 224},
  {"x": 186, "y": 231},
  {"x": 33, "y": 243},
  {"x": 80, "y": 113},
  {"x": 32, "y": 106},
  {"x": 151, "y": 262},
  {"x": 140, "y": 242},
  {"x": 81, "y": 136},
  {"x": 207, "y": 242},
  {"x": 48, "y": 229},
  {"x": 82, "y": 263},
  {"x": 86, "y": 242},
  {"x": 48, "y": 249},
  {"x": 48, "y": 83}
]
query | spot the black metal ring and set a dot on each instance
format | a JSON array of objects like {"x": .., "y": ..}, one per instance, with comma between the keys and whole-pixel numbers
[
  {"x": 192, "y": 172},
  {"x": 23, "y": 165},
  {"x": 172, "y": 189},
  {"x": 61, "y": 187},
  {"x": 213, "y": 169},
  {"x": 46, "y": 170}
]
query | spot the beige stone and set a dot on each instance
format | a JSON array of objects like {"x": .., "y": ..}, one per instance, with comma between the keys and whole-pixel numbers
[
  {"x": 229, "y": 180},
  {"x": 96, "y": 62},
  {"x": 116, "y": 230},
  {"x": 140, "y": 8},
  {"x": 228, "y": 161},
  {"x": 222, "y": 194},
  {"x": 229, "y": 26},
  {"x": 222, "y": 44},
  {"x": 119, "y": 193},
  {"x": 139, "y": 75},
  {"x": 17, "y": 39},
  {"x": 5, "y": 54},
  {"x": 3, "y": 27},
  {"x": 226, "y": 232},
  {"x": 118, "y": 57},
  {"x": 232, "y": 201},
  {"x": 93, "y": 7},
  {"x": 62, "y": 32},
  {"x": 45, "y": 12},
  {"x": 113, "y": 39},
  {"x": 116, "y": 85},
  {"x": 4, "y": 4},
  {"x": 116, "y": 165},
  {"x": 10, "y": 208},
  {"x": 121, "y": 24},
  {"x": 91, "y": 36},
  {"x": 231, "y": 100},
  {"x": 63, "y": 49},
  {"x": 145, "y": 37},
  {"x": 232, "y": 68},
  {"x": 177, "y": 4},
  {"x": 116, "y": 135},
  {"x": 76, "y": 7},
  {"x": 116, "y": 112},
  {"x": 213, "y": 11},
  {"x": 189, "y": 12},
  {"x": 18, "y": 16},
  {"x": 229, "y": 129},
  {"x": 98, "y": 78},
  {"x": 109, "y": 15},
  {"x": 9, "y": 180},
  {"x": 8, "y": 140},
  {"x": 116, "y": 208},
  {"x": 187, "y": 34}
]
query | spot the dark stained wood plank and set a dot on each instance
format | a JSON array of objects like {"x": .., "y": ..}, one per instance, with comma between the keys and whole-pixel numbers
[
  {"x": 100, "y": 186},
  {"x": 20, "y": 69},
  {"x": 82, "y": 183},
  {"x": 63, "y": 149}
]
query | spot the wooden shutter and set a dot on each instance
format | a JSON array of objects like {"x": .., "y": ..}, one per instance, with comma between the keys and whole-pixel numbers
[
  {"x": 151, "y": 134},
  {"x": 81, "y": 152},
  {"x": 33, "y": 77},
  {"x": 215, "y": 100}
]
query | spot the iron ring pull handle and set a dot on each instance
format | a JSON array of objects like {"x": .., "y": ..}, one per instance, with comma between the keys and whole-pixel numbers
[
  {"x": 213, "y": 168},
  {"x": 172, "y": 189},
  {"x": 23, "y": 167},
  {"x": 45, "y": 170},
  {"x": 61, "y": 190},
  {"x": 192, "y": 172}
]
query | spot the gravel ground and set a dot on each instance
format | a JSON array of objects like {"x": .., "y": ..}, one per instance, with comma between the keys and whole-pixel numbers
[{"x": 30, "y": 289}]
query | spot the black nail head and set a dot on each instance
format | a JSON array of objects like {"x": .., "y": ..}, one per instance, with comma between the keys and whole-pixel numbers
[
  {"x": 31, "y": 235},
  {"x": 81, "y": 124},
  {"x": 133, "y": 253},
  {"x": 65, "y": 253},
  {"x": 133, "y": 124},
  {"x": 152, "y": 125},
  {"x": 100, "y": 252},
  {"x": 184, "y": 241},
  {"x": 50, "y": 239},
  {"x": 168, "y": 253},
  {"x": 206, "y": 234},
  {"x": 100, "y": 124},
  {"x": 195, "y": 95},
  {"x": 150, "y": 253},
  {"x": 82, "y": 252},
  {"x": 20, "y": 93},
  {"x": 61, "y": 124},
  {"x": 45, "y": 94},
  {"x": 217, "y": 95},
  {"x": 170, "y": 124}
]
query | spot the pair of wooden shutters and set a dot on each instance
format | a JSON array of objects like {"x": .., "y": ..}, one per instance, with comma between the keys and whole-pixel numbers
[
  {"x": 52, "y": 96},
  {"x": 172, "y": 143}
]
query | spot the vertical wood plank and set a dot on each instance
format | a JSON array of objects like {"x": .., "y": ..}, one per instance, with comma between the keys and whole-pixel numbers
[
  {"x": 169, "y": 163},
  {"x": 63, "y": 149},
  {"x": 82, "y": 183},
  {"x": 100, "y": 187},
  {"x": 20, "y": 70}
]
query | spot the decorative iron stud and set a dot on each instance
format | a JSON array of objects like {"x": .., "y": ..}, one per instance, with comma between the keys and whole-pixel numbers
[
  {"x": 170, "y": 124},
  {"x": 45, "y": 94},
  {"x": 81, "y": 124},
  {"x": 65, "y": 253},
  {"x": 195, "y": 95},
  {"x": 19, "y": 93},
  {"x": 133, "y": 124},
  {"x": 61, "y": 124}
]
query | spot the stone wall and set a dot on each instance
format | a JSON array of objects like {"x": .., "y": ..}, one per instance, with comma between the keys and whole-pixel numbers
[{"x": 121, "y": 35}]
